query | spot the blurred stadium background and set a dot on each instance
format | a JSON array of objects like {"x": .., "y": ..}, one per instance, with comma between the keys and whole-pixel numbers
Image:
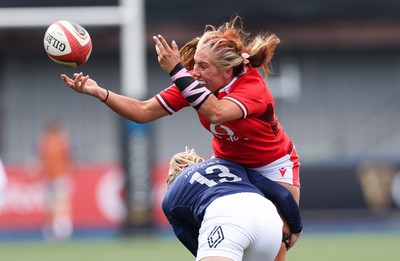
[{"x": 336, "y": 79}]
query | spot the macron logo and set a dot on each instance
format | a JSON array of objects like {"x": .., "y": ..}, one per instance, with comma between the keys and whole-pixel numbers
[{"x": 282, "y": 171}]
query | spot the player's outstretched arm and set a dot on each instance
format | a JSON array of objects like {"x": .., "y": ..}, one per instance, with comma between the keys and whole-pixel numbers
[{"x": 129, "y": 108}]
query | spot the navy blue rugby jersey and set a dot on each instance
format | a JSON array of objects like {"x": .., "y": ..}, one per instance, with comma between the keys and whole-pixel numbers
[{"x": 199, "y": 184}]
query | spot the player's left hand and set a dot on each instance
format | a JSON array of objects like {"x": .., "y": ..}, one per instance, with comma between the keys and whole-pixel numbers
[{"x": 168, "y": 56}]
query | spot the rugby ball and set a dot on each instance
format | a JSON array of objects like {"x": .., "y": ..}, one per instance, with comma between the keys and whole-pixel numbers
[{"x": 67, "y": 43}]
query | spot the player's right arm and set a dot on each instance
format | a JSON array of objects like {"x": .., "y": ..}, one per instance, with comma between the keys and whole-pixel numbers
[{"x": 129, "y": 108}]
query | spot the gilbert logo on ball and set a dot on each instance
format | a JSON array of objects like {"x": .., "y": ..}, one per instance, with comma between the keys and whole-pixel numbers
[{"x": 67, "y": 43}]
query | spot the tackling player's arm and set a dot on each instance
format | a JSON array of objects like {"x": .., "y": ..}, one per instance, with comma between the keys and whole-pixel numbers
[
  {"x": 284, "y": 201},
  {"x": 186, "y": 233}
]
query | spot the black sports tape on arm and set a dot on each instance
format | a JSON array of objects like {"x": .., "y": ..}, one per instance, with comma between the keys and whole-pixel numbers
[{"x": 193, "y": 91}]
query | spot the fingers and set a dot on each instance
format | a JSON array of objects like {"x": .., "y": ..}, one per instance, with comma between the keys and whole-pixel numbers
[
  {"x": 64, "y": 78},
  {"x": 78, "y": 80},
  {"x": 161, "y": 44},
  {"x": 167, "y": 57},
  {"x": 174, "y": 46},
  {"x": 158, "y": 51},
  {"x": 158, "y": 46},
  {"x": 78, "y": 83},
  {"x": 84, "y": 80},
  {"x": 68, "y": 81}
]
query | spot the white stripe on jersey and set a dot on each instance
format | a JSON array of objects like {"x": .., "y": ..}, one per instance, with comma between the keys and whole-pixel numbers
[
  {"x": 242, "y": 107},
  {"x": 165, "y": 104}
]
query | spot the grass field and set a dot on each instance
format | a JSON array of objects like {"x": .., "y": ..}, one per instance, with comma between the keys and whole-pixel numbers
[{"x": 327, "y": 247}]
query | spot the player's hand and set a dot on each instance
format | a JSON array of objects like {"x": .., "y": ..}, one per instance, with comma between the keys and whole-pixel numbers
[
  {"x": 293, "y": 239},
  {"x": 81, "y": 84},
  {"x": 168, "y": 56}
]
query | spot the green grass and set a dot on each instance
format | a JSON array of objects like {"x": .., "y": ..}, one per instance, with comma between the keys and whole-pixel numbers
[
  {"x": 327, "y": 247},
  {"x": 147, "y": 249},
  {"x": 343, "y": 247}
]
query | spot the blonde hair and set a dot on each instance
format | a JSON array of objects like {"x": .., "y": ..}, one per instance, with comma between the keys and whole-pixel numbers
[
  {"x": 228, "y": 46},
  {"x": 180, "y": 161}
]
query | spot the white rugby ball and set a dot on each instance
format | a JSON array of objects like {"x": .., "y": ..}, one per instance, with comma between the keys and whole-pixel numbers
[{"x": 67, "y": 43}]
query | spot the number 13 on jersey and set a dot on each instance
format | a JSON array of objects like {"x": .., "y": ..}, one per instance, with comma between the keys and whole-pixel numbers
[{"x": 224, "y": 175}]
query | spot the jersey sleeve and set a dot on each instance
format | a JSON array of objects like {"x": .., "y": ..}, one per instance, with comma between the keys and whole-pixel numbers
[
  {"x": 187, "y": 234},
  {"x": 281, "y": 197},
  {"x": 171, "y": 99},
  {"x": 186, "y": 231}
]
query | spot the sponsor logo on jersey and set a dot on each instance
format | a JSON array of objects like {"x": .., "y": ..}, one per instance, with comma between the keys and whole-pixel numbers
[{"x": 223, "y": 132}]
